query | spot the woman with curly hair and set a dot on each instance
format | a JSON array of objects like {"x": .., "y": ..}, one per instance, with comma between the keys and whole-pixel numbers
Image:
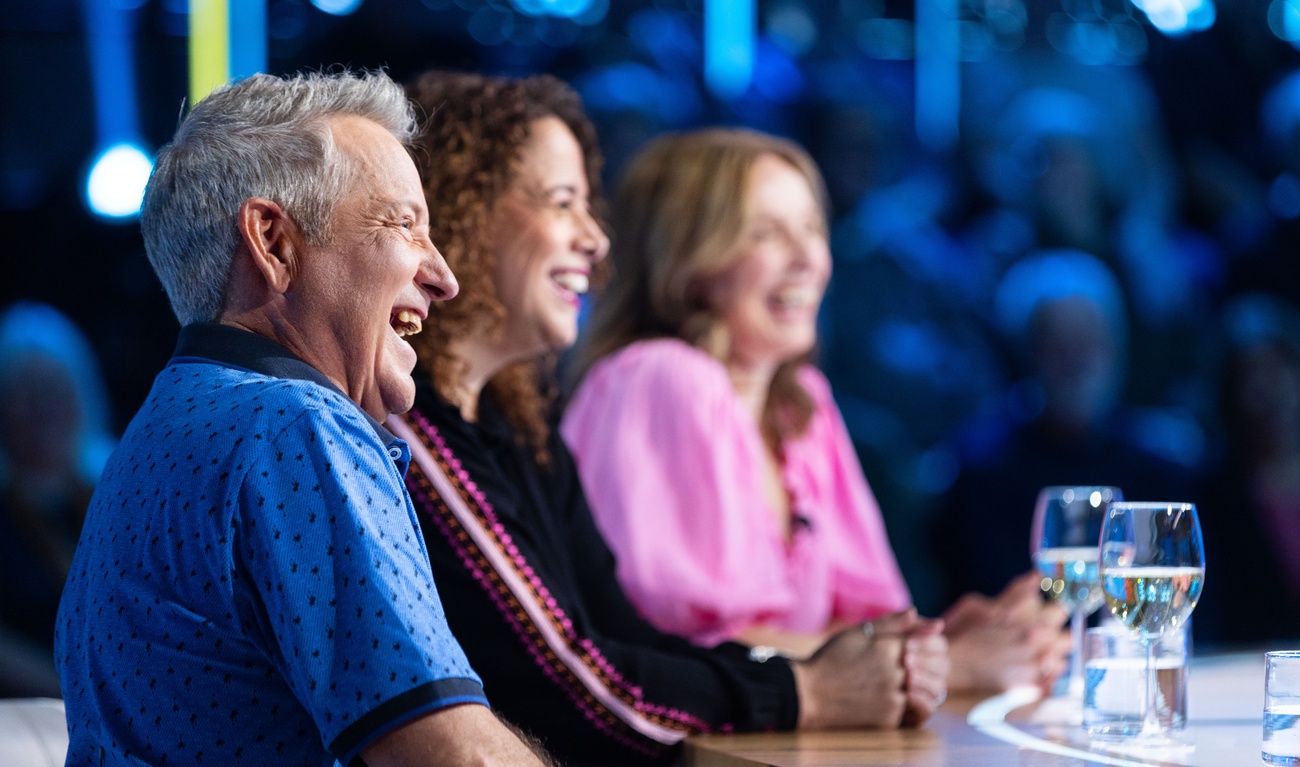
[
  {"x": 715, "y": 458},
  {"x": 527, "y": 582}
]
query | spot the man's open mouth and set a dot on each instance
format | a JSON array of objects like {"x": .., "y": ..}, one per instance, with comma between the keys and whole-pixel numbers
[{"x": 406, "y": 323}]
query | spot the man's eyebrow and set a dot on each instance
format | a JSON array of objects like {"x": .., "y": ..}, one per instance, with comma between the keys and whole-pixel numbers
[{"x": 392, "y": 205}]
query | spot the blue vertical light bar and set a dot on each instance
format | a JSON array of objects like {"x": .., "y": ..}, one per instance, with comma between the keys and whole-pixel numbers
[
  {"x": 110, "y": 33},
  {"x": 120, "y": 167},
  {"x": 247, "y": 37},
  {"x": 938, "y": 74},
  {"x": 729, "y": 30}
]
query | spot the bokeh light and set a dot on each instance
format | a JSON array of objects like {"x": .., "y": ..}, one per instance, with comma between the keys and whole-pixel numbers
[
  {"x": 1284, "y": 20},
  {"x": 1179, "y": 17},
  {"x": 337, "y": 7},
  {"x": 115, "y": 185}
]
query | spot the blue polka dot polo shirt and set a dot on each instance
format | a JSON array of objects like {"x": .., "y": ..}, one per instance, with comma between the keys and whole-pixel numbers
[{"x": 251, "y": 587}]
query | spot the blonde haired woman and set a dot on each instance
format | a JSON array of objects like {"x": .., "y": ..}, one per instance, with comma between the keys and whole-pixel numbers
[{"x": 712, "y": 452}]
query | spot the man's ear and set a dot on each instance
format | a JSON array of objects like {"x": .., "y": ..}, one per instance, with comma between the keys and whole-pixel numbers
[{"x": 272, "y": 240}]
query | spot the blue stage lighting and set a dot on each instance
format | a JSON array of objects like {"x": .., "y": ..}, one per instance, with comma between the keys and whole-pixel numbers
[
  {"x": 729, "y": 33},
  {"x": 1179, "y": 17},
  {"x": 1284, "y": 20},
  {"x": 115, "y": 185},
  {"x": 118, "y": 174},
  {"x": 585, "y": 12},
  {"x": 530, "y": 7},
  {"x": 567, "y": 9},
  {"x": 595, "y": 11},
  {"x": 247, "y": 37},
  {"x": 938, "y": 73},
  {"x": 1202, "y": 17},
  {"x": 337, "y": 7}
]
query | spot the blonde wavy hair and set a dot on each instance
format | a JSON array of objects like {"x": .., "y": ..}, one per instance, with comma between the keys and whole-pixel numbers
[{"x": 678, "y": 219}]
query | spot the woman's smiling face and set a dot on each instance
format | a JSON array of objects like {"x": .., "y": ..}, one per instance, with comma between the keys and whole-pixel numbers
[
  {"x": 769, "y": 297},
  {"x": 545, "y": 242}
]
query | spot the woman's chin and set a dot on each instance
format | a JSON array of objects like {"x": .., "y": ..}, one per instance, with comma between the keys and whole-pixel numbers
[{"x": 558, "y": 338}]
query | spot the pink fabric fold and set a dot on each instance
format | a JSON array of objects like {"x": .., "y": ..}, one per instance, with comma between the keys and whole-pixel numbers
[{"x": 671, "y": 462}]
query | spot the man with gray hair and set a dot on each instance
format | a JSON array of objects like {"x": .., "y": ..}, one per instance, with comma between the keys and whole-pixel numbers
[{"x": 250, "y": 586}]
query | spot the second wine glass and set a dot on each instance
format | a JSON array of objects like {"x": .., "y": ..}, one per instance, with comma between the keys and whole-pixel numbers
[
  {"x": 1152, "y": 567},
  {"x": 1067, "y": 528}
]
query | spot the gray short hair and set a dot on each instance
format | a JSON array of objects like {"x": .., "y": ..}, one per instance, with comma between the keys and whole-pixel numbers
[{"x": 263, "y": 136}]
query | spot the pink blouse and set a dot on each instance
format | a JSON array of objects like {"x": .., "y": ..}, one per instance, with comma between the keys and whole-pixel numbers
[{"x": 672, "y": 464}]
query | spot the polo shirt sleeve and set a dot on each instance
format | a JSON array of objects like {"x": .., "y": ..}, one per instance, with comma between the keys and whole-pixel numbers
[{"x": 341, "y": 576}]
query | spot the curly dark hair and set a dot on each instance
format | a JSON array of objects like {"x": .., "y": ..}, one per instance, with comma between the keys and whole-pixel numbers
[{"x": 468, "y": 156}]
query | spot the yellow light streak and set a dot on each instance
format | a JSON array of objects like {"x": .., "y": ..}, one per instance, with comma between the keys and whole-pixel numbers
[{"x": 209, "y": 47}]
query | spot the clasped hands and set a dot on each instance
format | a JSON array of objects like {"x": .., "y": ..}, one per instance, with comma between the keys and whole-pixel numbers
[
  {"x": 900, "y": 670},
  {"x": 1015, "y": 638},
  {"x": 894, "y": 673}
]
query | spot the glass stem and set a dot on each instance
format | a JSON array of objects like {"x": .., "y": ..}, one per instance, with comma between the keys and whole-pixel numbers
[
  {"x": 1151, "y": 715},
  {"x": 1078, "y": 620}
]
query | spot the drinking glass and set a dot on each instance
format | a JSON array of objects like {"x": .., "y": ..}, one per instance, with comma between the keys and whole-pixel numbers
[
  {"x": 1281, "y": 708},
  {"x": 1152, "y": 566},
  {"x": 1114, "y": 669},
  {"x": 1067, "y": 528}
]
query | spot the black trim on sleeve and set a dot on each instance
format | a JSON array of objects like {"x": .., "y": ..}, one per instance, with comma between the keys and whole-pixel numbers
[{"x": 424, "y": 699}]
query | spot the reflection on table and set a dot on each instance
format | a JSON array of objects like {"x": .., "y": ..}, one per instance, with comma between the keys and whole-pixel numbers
[{"x": 1224, "y": 726}]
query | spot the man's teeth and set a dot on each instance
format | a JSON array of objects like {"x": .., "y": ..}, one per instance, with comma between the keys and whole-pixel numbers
[
  {"x": 407, "y": 323},
  {"x": 573, "y": 282}
]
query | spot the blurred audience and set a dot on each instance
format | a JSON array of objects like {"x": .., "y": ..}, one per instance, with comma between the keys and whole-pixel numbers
[
  {"x": 1071, "y": 164},
  {"x": 1055, "y": 155},
  {"x": 1064, "y": 423},
  {"x": 1250, "y": 502},
  {"x": 54, "y": 439},
  {"x": 717, "y": 463},
  {"x": 1212, "y": 88},
  {"x": 1266, "y": 262},
  {"x": 901, "y": 341}
]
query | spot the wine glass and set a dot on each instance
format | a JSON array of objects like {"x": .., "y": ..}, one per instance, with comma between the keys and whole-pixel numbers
[
  {"x": 1067, "y": 528},
  {"x": 1152, "y": 566}
]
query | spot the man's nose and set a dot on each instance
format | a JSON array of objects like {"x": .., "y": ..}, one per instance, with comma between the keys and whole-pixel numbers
[{"x": 436, "y": 277}]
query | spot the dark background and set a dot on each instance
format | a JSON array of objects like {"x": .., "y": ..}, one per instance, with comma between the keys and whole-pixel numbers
[{"x": 1196, "y": 198}]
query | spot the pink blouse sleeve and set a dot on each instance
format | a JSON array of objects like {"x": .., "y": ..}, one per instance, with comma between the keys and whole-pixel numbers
[
  {"x": 863, "y": 575},
  {"x": 672, "y": 479}
]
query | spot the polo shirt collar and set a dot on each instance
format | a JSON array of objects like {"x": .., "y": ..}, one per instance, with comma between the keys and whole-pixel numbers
[{"x": 235, "y": 347}]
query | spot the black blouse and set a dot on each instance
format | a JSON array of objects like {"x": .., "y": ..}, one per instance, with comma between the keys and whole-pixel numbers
[{"x": 529, "y": 589}]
